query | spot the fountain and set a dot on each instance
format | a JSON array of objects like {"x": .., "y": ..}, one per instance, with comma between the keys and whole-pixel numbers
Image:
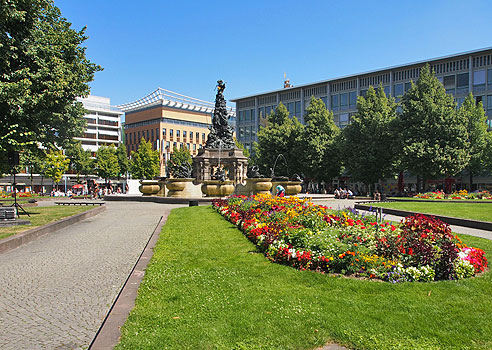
[
  {"x": 292, "y": 185},
  {"x": 220, "y": 164}
]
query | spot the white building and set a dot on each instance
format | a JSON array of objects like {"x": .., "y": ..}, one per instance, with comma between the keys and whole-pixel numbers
[{"x": 103, "y": 123}]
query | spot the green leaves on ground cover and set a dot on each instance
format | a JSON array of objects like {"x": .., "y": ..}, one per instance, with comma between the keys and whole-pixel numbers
[
  {"x": 474, "y": 211},
  {"x": 207, "y": 288}
]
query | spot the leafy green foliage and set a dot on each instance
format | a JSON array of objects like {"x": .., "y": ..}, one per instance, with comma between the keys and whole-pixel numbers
[
  {"x": 179, "y": 157},
  {"x": 144, "y": 162},
  {"x": 123, "y": 163},
  {"x": 107, "y": 162},
  {"x": 316, "y": 144},
  {"x": 80, "y": 160},
  {"x": 369, "y": 150},
  {"x": 280, "y": 136},
  {"x": 244, "y": 149},
  {"x": 434, "y": 139},
  {"x": 476, "y": 119},
  {"x": 43, "y": 70},
  {"x": 56, "y": 165}
]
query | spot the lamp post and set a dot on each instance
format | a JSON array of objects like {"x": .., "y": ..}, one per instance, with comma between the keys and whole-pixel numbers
[{"x": 65, "y": 178}]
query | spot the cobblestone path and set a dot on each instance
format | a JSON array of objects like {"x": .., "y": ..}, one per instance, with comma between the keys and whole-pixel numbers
[{"x": 56, "y": 291}]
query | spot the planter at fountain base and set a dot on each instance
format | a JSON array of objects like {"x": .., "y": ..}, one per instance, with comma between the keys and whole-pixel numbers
[
  {"x": 217, "y": 188},
  {"x": 149, "y": 187},
  {"x": 182, "y": 188},
  {"x": 291, "y": 187},
  {"x": 254, "y": 186}
]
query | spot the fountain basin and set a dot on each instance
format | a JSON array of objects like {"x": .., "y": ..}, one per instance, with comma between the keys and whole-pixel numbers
[
  {"x": 149, "y": 187},
  {"x": 179, "y": 188},
  {"x": 291, "y": 187},
  {"x": 217, "y": 188}
]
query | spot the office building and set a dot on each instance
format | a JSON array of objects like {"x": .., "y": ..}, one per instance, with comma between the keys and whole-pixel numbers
[
  {"x": 103, "y": 123},
  {"x": 168, "y": 120},
  {"x": 460, "y": 74}
]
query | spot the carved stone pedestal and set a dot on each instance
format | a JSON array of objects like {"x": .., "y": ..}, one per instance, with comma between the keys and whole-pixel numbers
[{"x": 233, "y": 161}]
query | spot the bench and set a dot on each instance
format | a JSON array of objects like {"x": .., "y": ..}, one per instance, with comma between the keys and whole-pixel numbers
[
  {"x": 7, "y": 213},
  {"x": 79, "y": 203}
]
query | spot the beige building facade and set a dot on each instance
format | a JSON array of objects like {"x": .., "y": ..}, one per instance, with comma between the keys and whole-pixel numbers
[{"x": 168, "y": 120}]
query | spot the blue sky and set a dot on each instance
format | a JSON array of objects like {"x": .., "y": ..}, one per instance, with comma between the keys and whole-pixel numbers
[{"x": 185, "y": 46}]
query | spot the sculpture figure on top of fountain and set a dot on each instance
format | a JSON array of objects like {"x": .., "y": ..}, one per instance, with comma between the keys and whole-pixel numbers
[{"x": 221, "y": 133}]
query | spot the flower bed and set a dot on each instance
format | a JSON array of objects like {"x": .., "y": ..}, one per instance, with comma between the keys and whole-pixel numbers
[
  {"x": 298, "y": 233},
  {"x": 461, "y": 194}
]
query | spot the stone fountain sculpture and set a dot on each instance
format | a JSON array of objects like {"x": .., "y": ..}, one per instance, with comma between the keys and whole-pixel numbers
[{"x": 220, "y": 164}]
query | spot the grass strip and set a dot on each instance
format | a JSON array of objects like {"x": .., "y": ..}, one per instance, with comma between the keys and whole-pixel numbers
[
  {"x": 473, "y": 211},
  {"x": 208, "y": 288},
  {"x": 42, "y": 216}
]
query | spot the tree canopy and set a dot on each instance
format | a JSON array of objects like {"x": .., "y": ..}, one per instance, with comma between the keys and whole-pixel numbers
[
  {"x": 145, "y": 163},
  {"x": 107, "y": 162},
  {"x": 369, "y": 150},
  {"x": 43, "y": 70},
  {"x": 280, "y": 136},
  {"x": 55, "y": 165},
  {"x": 434, "y": 139},
  {"x": 316, "y": 145},
  {"x": 179, "y": 157}
]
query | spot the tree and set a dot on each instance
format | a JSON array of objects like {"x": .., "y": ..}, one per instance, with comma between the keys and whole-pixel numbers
[
  {"x": 434, "y": 140},
  {"x": 107, "y": 162},
  {"x": 43, "y": 70},
  {"x": 476, "y": 119},
  {"x": 56, "y": 165},
  {"x": 122, "y": 159},
  {"x": 33, "y": 162},
  {"x": 316, "y": 143},
  {"x": 179, "y": 158},
  {"x": 369, "y": 150},
  {"x": 241, "y": 147},
  {"x": 145, "y": 162},
  {"x": 80, "y": 160},
  {"x": 280, "y": 136}
]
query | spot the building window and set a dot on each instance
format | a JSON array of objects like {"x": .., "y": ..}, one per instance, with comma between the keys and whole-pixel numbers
[
  {"x": 489, "y": 73},
  {"x": 171, "y": 132},
  {"x": 203, "y": 137},
  {"x": 188, "y": 146},
  {"x": 449, "y": 81},
  {"x": 386, "y": 91},
  {"x": 194, "y": 147},
  {"x": 291, "y": 107},
  {"x": 168, "y": 144},
  {"x": 462, "y": 80},
  {"x": 343, "y": 101},
  {"x": 157, "y": 133},
  {"x": 148, "y": 135},
  {"x": 353, "y": 99},
  {"x": 241, "y": 132},
  {"x": 460, "y": 101},
  {"x": 184, "y": 134},
  {"x": 175, "y": 144},
  {"x": 325, "y": 101},
  {"x": 363, "y": 93},
  {"x": 253, "y": 131},
  {"x": 152, "y": 134},
  {"x": 139, "y": 136},
  {"x": 334, "y": 102},
  {"x": 191, "y": 136},
  {"x": 177, "y": 133},
  {"x": 399, "y": 90},
  {"x": 164, "y": 134},
  {"x": 479, "y": 80},
  {"x": 408, "y": 86},
  {"x": 247, "y": 116}
]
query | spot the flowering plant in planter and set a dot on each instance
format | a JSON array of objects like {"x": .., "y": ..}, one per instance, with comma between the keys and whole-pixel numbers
[{"x": 295, "y": 232}]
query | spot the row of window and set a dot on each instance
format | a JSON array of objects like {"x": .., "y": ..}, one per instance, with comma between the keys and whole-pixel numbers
[
  {"x": 167, "y": 121},
  {"x": 166, "y": 147},
  {"x": 101, "y": 122},
  {"x": 149, "y": 135}
]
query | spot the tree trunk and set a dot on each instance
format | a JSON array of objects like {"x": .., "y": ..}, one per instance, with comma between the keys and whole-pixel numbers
[
  {"x": 418, "y": 184},
  {"x": 424, "y": 183},
  {"x": 471, "y": 181}
]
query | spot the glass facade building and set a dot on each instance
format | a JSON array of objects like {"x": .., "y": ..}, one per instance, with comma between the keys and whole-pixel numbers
[{"x": 460, "y": 74}]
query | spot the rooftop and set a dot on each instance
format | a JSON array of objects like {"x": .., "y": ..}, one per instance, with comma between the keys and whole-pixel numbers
[
  {"x": 466, "y": 53},
  {"x": 167, "y": 98}
]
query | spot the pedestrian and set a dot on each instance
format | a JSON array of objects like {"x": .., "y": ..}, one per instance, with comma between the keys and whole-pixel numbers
[{"x": 280, "y": 191}]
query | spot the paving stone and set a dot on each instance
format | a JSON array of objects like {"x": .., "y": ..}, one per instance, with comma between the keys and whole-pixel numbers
[{"x": 56, "y": 291}]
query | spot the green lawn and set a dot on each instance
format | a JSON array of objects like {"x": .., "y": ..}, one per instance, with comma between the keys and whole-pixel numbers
[
  {"x": 42, "y": 216},
  {"x": 207, "y": 288},
  {"x": 474, "y": 211}
]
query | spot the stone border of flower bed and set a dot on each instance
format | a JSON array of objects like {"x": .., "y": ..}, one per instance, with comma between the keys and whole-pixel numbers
[
  {"x": 393, "y": 199},
  {"x": 481, "y": 225},
  {"x": 15, "y": 241}
]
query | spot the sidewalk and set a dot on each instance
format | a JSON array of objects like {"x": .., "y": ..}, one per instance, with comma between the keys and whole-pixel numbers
[{"x": 56, "y": 291}]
